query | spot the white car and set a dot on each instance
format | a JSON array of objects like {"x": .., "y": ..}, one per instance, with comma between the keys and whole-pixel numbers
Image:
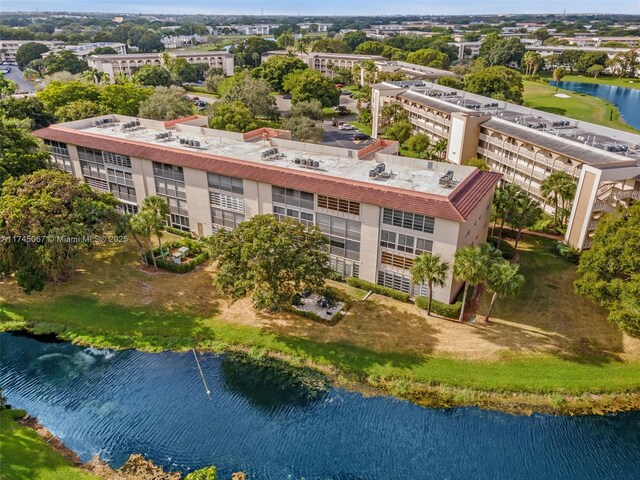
[{"x": 346, "y": 126}]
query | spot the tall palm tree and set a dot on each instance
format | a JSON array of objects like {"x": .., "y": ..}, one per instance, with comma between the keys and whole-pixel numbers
[
  {"x": 552, "y": 188},
  {"x": 440, "y": 148},
  {"x": 471, "y": 265},
  {"x": 504, "y": 281},
  {"x": 558, "y": 74},
  {"x": 142, "y": 226},
  {"x": 430, "y": 269},
  {"x": 525, "y": 214},
  {"x": 505, "y": 200},
  {"x": 159, "y": 208}
]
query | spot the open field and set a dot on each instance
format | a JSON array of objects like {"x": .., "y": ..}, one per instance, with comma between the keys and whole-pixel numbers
[
  {"x": 580, "y": 106},
  {"x": 26, "y": 456},
  {"x": 604, "y": 80},
  {"x": 545, "y": 340}
]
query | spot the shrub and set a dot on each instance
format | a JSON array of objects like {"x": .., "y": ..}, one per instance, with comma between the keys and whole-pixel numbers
[
  {"x": 207, "y": 473},
  {"x": 177, "y": 231},
  {"x": 508, "y": 252},
  {"x": 195, "y": 248},
  {"x": 565, "y": 251},
  {"x": 444, "y": 309},
  {"x": 387, "y": 292}
]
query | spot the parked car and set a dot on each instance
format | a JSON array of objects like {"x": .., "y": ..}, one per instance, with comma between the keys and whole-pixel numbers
[
  {"x": 195, "y": 98},
  {"x": 200, "y": 104},
  {"x": 346, "y": 126},
  {"x": 346, "y": 92},
  {"x": 287, "y": 96},
  {"x": 336, "y": 123},
  {"x": 360, "y": 136}
]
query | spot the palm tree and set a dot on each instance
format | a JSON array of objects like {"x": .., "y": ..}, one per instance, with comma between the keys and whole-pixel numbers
[
  {"x": 432, "y": 270},
  {"x": 142, "y": 226},
  {"x": 552, "y": 188},
  {"x": 505, "y": 199},
  {"x": 558, "y": 74},
  {"x": 440, "y": 148},
  {"x": 504, "y": 281},
  {"x": 525, "y": 214},
  {"x": 159, "y": 208},
  {"x": 471, "y": 265}
]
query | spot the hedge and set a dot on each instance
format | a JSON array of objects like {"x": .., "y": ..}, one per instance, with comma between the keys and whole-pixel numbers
[
  {"x": 508, "y": 252},
  {"x": 177, "y": 231},
  {"x": 379, "y": 289},
  {"x": 444, "y": 309}
]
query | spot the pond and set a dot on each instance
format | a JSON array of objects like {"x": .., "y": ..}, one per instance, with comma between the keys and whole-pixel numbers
[
  {"x": 626, "y": 99},
  {"x": 119, "y": 402}
]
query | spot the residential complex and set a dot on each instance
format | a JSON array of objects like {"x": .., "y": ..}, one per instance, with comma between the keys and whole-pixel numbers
[
  {"x": 128, "y": 64},
  {"x": 379, "y": 210},
  {"x": 9, "y": 48},
  {"x": 526, "y": 146}
]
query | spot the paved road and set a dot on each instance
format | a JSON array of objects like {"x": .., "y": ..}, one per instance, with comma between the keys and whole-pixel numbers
[{"x": 16, "y": 76}]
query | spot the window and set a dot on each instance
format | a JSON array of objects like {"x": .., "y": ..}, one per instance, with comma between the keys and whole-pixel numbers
[
  {"x": 180, "y": 221},
  {"x": 388, "y": 239},
  {"x": 405, "y": 243},
  {"x": 338, "y": 205},
  {"x": 412, "y": 221},
  {"x": 295, "y": 198},
  {"x": 395, "y": 281},
  {"x": 304, "y": 217},
  {"x": 397, "y": 261},
  {"x": 227, "y": 184},
  {"x": 123, "y": 192},
  {"x": 226, "y": 201},
  {"x": 97, "y": 184},
  {"x": 57, "y": 148},
  {"x": 169, "y": 181},
  {"x": 344, "y": 267},
  {"x": 127, "y": 208},
  {"x": 223, "y": 218},
  {"x": 116, "y": 159},
  {"x": 92, "y": 164},
  {"x": 423, "y": 246},
  {"x": 343, "y": 235},
  {"x": 120, "y": 177}
]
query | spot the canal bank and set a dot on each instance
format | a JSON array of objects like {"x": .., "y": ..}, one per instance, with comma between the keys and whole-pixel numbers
[{"x": 119, "y": 402}]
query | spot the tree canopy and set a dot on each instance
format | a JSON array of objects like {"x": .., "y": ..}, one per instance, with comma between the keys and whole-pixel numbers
[
  {"x": 497, "y": 82},
  {"x": 166, "y": 103},
  {"x": 58, "y": 94},
  {"x": 270, "y": 260},
  {"x": 277, "y": 67},
  {"x": 233, "y": 116},
  {"x": 429, "y": 57},
  {"x": 29, "y": 109},
  {"x": 49, "y": 215},
  {"x": 63, "y": 61},
  {"x": 27, "y": 52},
  {"x": 153, "y": 75},
  {"x": 255, "y": 93},
  {"x": 20, "y": 152},
  {"x": 124, "y": 99},
  {"x": 610, "y": 270},
  {"x": 310, "y": 84},
  {"x": 79, "y": 109}
]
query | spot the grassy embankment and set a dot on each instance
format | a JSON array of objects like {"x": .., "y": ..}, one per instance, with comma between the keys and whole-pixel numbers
[
  {"x": 26, "y": 456},
  {"x": 579, "y": 106},
  {"x": 548, "y": 349}
]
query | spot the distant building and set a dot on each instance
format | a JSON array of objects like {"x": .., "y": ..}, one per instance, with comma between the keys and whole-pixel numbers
[
  {"x": 9, "y": 48},
  {"x": 258, "y": 29},
  {"x": 128, "y": 64},
  {"x": 377, "y": 209},
  {"x": 320, "y": 27}
]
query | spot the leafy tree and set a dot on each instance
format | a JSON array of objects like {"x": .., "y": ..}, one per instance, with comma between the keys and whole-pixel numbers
[
  {"x": 232, "y": 116},
  {"x": 29, "y": 109},
  {"x": 124, "y": 99},
  {"x": 305, "y": 85},
  {"x": 498, "y": 50},
  {"x": 479, "y": 163},
  {"x": 255, "y": 93},
  {"x": 331, "y": 45},
  {"x": 141, "y": 226},
  {"x": 370, "y": 47},
  {"x": 399, "y": 131},
  {"x": 364, "y": 116},
  {"x": 451, "y": 82},
  {"x": 595, "y": 70},
  {"x": 20, "y": 152},
  {"x": 557, "y": 187},
  {"x": 498, "y": 82},
  {"x": 104, "y": 51},
  {"x": 524, "y": 214},
  {"x": 558, "y": 74},
  {"x": 166, "y": 103},
  {"x": 610, "y": 270},
  {"x": 303, "y": 128},
  {"x": 472, "y": 265},
  {"x": 353, "y": 39},
  {"x": 419, "y": 143},
  {"x": 429, "y": 57},
  {"x": 207, "y": 473},
  {"x": 532, "y": 61},
  {"x": 158, "y": 210},
  {"x": 213, "y": 79},
  {"x": 504, "y": 280},
  {"x": 57, "y": 93},
  {"x": 591, "y": 59},
  {"x": 7, "y": 87},
  {"x": 393, "y": 53},
  {"x": 63, "y": 61},
  {"x": 27, "y": 52},
  {"x": 439, "y": 150},
  {"x": 153, "y": 75},
  {"x": 42, "y": 209},
  {"x": 311, "y": 109},
  {"x": 78, "y": 110},
  {"x": 277, "y": 67},
  {"x": 432, "y": 270},
  {"x": 392, "y": 112},
  {"x": 248, "y": 53},
  {"x": 504, "y": 201},
  {"x": 182, "y": 71},
  {"x": 270, "y": 260},
  {"x": 625, "y": 63},
  {"x": 286, "y": 40},
  {"x": 148, "y": 42}
]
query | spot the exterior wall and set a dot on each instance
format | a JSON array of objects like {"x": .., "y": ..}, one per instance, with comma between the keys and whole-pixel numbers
[
  {"x": 464, "y": 136},
  {"x": 197, "y": 188},
  {"x": 369, "y": 241},
  {"x": 585, "y": 195}
]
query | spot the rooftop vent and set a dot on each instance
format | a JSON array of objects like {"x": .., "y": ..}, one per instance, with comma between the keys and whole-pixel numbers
[
  {"x": 272, "y": 154},
  {"x": 447, "y": 179}
]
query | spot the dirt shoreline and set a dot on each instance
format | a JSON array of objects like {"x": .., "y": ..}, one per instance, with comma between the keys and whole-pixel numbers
[{"x": 446, "y": 396}]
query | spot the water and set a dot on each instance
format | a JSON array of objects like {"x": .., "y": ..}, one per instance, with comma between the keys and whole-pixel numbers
[
  {"x": 117, "y": 403},
  {"x": 626, "y": 99}
]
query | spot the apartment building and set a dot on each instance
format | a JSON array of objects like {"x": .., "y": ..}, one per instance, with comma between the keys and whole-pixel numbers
[
  {"x": 526, "y": 146},
  {"x": 546, "y": 50},
  {"x": 128, "y": 64},
  {"x": 9, "y": 48},
  {"x": 630, "y": 42},
  {"x": 379, "y": 210}
]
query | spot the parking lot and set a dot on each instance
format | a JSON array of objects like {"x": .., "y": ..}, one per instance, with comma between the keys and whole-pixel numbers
[
  {"x": 342, "y": 138},
  {"x": 15, "y": 75}
]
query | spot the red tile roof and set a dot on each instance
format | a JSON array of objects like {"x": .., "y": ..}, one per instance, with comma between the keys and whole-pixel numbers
[
  {"x": 457, "y": 206},
  {"x": 171, "y": 123}
]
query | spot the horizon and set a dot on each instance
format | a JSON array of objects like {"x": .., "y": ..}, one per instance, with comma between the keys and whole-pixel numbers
[{"x": 329, "y": 8}]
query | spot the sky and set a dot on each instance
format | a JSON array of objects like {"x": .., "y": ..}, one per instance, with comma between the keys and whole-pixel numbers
[{"x": 325, "y": 7}]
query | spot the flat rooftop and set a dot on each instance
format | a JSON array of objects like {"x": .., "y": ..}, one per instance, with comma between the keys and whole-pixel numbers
[
  {"x": 404, "y": 173},
  {"x": 590, "y": 143}
]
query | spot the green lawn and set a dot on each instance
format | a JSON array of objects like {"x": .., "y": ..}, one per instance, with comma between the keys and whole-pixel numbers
[
  {"x": 26, "y": 456},
  {"x": 580, "y": 106},
  {"x": 604, "y": 80}
]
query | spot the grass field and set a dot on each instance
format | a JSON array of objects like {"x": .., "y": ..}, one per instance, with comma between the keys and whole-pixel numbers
[
  {"x": 604, "y": 80},
  {"x": 580, "y": 106},
  {"x": 545, "y": 340},
  {"x": 26, "y": 456}
]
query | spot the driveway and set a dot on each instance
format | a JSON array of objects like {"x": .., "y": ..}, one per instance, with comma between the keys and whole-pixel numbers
[
  {"x": 24, "y": 86},
  {"x": 341, "y": 138}
]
